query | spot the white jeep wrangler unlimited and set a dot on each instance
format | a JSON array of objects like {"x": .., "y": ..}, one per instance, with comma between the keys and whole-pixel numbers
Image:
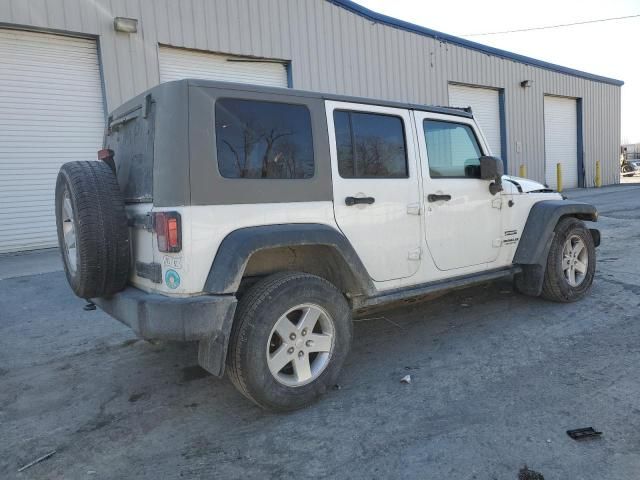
[{"x": 256, "y": 220}]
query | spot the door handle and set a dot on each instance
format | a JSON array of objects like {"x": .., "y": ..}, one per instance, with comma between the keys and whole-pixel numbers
[
  {"x": 432, "y": 197},
  {"x": 350, "y": 201}
]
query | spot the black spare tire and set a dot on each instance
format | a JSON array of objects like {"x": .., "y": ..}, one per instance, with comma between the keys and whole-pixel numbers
[{"x": 92, "y": 229}]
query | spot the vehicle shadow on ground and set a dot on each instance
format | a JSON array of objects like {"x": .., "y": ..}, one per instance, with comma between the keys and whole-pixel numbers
[{"x": 392, "y": 343}]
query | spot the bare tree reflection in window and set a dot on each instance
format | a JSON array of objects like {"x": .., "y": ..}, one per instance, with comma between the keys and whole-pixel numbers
[
  {"x": 263, "y": 140},
  {"x": 271, "y": 138},
  {"x": 370, "y": 145}
]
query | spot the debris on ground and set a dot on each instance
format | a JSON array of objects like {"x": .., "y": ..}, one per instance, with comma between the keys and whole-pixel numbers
[
  {"x": 526, "y": 474},
  {"x": 465, "y": 305},
  {"x": 337, "y": 386},
  {"x": 580, "y": 433},
  {"x": 406, "y": 379},
  {"x": 37, "y": 460}
]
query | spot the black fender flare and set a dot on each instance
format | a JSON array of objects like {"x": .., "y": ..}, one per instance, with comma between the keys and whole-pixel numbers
[
  {"x": 537, "y": 236},
  {"x": 238, "y": 246}
]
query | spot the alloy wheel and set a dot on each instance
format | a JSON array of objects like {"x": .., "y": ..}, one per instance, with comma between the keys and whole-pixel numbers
[
  {"x": 300, "y": 345},
  {"x": 69, "y": 232},
  {"x": 575, "y": 260}
]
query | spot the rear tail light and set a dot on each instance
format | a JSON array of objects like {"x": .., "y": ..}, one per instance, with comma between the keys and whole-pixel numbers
[
  {"x": 169, "y": 231},
  {"x": 105, "y": 154}
]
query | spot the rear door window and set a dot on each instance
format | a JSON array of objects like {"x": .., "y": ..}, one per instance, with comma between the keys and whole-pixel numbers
[
  {"x": 370, "y": 145},
  {"x": 268, "y": 140}
]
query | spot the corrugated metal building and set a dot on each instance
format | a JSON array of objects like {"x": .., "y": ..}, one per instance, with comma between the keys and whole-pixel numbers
[{"x": 63, "y": 65}]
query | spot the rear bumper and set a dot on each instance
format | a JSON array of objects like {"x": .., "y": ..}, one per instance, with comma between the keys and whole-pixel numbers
[{"x": 158, "y": 317}]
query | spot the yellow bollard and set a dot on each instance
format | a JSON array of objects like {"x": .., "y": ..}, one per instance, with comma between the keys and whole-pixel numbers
[
  {"x": 523, "y": 171},
  {"x": 598, "y": 176},
  {"x": 559, "y": 176}
]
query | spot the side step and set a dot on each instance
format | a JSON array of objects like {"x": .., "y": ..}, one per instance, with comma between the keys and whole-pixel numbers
[{"x": 455, "y": 283}]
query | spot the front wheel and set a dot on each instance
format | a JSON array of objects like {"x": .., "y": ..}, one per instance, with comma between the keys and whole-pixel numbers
[
  {"x": 571, "y": 263},
  {"x": 290, "y": 337}
]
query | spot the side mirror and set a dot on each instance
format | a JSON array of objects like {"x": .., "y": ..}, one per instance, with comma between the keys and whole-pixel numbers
[{"x": 492, "y": 168}]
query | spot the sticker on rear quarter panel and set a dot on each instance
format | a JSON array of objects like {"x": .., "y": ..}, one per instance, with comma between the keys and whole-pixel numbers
[
  {"x": 172, "y": 279},
  {"x": 172, "y": 262}
]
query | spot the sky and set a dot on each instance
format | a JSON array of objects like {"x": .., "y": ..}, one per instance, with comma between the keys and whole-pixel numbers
[{"x": 611, "y": 49}]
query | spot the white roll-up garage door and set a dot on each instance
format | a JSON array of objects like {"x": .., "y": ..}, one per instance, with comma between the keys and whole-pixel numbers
[
  {"x": 178, "y": 63},
  {"x": 561, "y": 140},
  {"x": 51, "y": 112},
  {"x": 485, "y": 105}
]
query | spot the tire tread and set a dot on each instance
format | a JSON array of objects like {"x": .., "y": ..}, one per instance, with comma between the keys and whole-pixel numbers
[{"x": 101, "y": 228}]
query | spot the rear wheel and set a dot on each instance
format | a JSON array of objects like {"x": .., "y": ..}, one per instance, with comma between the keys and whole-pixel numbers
[
  {"x": 571, "y": 262},
  {"x": 291, "y": 335}
]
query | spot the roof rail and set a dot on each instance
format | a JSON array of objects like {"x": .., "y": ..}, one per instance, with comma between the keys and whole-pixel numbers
[{"x": 464, "y": 109}]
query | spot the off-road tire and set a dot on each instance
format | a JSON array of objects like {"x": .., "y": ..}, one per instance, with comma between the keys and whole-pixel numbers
[
  {"x": 258, "y": 311},
  {"x": 555, "y": 286},
  {"x": 100, "y": 222}
]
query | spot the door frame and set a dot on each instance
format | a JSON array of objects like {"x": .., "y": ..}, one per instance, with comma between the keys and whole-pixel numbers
[
  {"x": 427, "y": 181},
  {"x": 414, "y": 167}
]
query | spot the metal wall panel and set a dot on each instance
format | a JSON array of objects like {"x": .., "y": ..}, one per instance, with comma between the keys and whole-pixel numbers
[{"x": 334, "y": 50}]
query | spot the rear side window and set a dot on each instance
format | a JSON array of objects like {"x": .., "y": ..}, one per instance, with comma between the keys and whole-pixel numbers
[
  {"x": 452, "y": 150},
  {"x": 256, "y": 139},
  {"x": 370, "y": 145}
]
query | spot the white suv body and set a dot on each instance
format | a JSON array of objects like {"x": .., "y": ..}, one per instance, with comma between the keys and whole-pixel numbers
[
  {"x": 402, "y": 239},
  {"x": 230, "y": 191}
]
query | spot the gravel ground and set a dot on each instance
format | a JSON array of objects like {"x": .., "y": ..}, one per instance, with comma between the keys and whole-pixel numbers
[{"x": 495, "y": 386}]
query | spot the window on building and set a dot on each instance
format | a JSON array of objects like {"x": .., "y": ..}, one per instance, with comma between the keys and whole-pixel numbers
[
  {"x": 370, "y": 145},
  {"x": 452, "y": 149},
  {"x": 256, "y": 139}
]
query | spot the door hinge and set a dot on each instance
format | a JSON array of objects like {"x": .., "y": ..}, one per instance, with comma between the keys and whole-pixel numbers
[
  {"x": 413, "y": 209},
  {"x": 415, "y": 254},
  {"x": 143, "y": 221},
  {"x": 496, "y": 203}
]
